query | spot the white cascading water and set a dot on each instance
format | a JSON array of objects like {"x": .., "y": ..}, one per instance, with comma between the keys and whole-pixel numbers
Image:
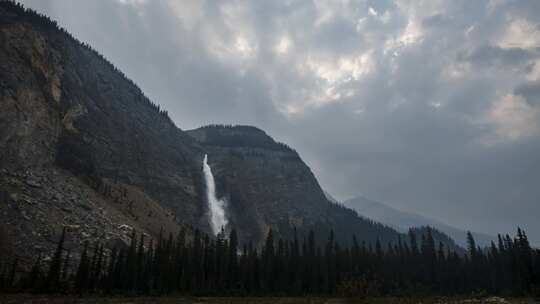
[{"x": 215, "y": 206}]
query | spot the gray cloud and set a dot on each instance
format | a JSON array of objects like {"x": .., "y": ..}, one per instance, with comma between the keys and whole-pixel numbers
[
  {"x": 429, "y": 105},
  {"x": 531, "y": 92},
  {"x": 487, "y": 56}
]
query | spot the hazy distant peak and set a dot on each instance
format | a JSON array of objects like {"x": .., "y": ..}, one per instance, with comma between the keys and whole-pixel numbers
[{"x": 403, "y": 220}]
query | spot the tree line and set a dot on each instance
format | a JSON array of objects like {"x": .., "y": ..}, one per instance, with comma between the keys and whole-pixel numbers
[
  {"x": 227, "y": 135},
  {"x": 198, "y": 264}
]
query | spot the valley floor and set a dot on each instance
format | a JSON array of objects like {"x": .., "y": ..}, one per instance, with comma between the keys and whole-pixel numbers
[{"x": 42, "y": 299}]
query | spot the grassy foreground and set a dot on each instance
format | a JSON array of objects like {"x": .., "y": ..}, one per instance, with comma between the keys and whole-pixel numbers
[{"x": 39, "y": 299}]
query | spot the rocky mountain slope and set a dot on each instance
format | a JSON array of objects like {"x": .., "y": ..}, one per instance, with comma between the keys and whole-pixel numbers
[
  {"x": 265, "y": 183},
  {"x": 82, "y": 147}
]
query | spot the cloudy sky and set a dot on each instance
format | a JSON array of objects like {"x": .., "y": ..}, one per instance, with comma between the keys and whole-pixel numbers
[{"x": 431, "y": 106}]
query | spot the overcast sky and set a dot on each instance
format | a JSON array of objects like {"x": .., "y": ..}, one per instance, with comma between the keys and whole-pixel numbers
[{"x": 431, "y": 106}]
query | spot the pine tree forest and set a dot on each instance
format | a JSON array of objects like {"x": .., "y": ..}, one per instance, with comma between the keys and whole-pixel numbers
[{"x": 199, "y": 264}]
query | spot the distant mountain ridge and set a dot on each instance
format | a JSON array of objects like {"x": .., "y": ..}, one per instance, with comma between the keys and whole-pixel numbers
[
  {"x": 402, "y": 220},
  {"x": 419, "y": 230}
]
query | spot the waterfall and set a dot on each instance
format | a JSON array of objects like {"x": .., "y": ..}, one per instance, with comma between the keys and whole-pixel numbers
[{"x": 216, "y": 206}]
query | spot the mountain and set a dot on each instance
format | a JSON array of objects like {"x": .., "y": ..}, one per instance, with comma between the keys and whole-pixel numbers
[
  {"x": 267, "y": 185},
  {"x": 82, "y": 147},
  {"x": 402, "y": 221},
  {"x": 265, "y": 182}
]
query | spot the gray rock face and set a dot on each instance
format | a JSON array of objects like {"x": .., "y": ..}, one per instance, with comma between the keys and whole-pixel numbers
[
  {"x": 111, "y": 130},
  {"x": 63, "y": 104},
  {"x": 30, "y": 80},
  {"x": 34, "y": 214},
  {"x": 81, "y": 146}
]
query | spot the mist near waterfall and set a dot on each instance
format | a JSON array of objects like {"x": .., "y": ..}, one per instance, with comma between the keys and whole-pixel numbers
[{"x": 216, "y": 206}]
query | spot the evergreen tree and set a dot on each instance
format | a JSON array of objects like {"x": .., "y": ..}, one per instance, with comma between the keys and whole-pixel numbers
[
  {"x": 233, "y": 259},
  {"x": 13, "y": 272},
  {"x": 139, "y": 265},
  {"x": 201, "y": 264},
  {"x": 65, "y": 267},
  {"x": 268, "y": 257},
  {"x": 471, "y": 245},
  {"x": 35, "y": 274},
  {"x": 81, "y": 277},
  {"x": 131, "y": 263},
  {"x": 53, "y": 277}
]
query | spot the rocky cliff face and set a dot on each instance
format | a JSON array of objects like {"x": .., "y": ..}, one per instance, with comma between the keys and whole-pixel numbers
[
  {"x": 81, "y": 146},
  {"x": 266, "y": 183}
]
